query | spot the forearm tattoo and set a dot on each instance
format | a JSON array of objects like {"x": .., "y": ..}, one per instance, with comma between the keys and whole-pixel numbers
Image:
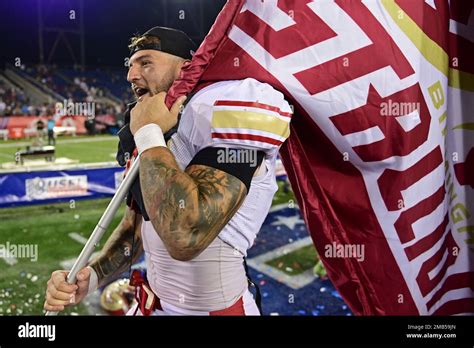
[
  {"x": 187, "y": 209},
  {"x": 122, "y": 248}
]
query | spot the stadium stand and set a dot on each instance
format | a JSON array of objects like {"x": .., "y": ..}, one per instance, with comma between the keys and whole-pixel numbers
[{"x": 28, "y": 94}]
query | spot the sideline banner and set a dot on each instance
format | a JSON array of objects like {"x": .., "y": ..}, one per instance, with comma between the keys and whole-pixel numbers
[{"x": 42, "y": 187}]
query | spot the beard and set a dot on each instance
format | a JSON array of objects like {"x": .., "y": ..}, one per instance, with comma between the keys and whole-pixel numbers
[
  {"x": 165, "y": 84},
  {"x": 161, "y": 86}
]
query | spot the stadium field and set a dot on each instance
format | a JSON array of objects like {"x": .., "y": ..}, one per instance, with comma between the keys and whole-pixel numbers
[
  {"x": 85, "y": 149},
  {"x": 23, "y": 280},
  {"x": 49, "y": 227},
  {"x": 59, "y": 231}
]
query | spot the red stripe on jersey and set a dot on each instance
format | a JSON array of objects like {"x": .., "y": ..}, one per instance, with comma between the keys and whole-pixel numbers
[
  {"x": 253, "y": 105},
  {"x": 246, "y": 137}
]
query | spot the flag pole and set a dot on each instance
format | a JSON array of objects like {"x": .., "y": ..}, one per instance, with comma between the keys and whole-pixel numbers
[{"x": 103, "y": 224}]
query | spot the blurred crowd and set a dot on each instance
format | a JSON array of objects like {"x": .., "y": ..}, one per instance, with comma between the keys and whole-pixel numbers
[
  {"x": 83, "y": 87},
  {"x": 13, "y": 101}
]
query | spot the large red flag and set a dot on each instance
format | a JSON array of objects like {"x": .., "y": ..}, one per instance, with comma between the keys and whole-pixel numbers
[{"x": 380, "y": 156}]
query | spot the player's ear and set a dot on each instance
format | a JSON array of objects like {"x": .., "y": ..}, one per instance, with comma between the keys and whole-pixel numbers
[{"x": 179, "y": 66}]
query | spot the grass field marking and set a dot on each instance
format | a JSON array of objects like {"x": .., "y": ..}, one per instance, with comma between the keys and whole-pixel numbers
[
  {"x": 296, "y": 262},
  {"x": 78, "y": 238},
  {"x": 281, "y": 206},
  {"x": 67, "y": 264},
  {"x": 58, "y": 167},
  {"x": 10, "y": 259},
  {"x": 295, "y": 282},
  {"x": 66, "y": 141},
  {"x": 47, "y": 225}
]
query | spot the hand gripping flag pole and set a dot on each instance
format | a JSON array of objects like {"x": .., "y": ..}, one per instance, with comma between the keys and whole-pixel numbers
[{"x": 103, "y": 224}]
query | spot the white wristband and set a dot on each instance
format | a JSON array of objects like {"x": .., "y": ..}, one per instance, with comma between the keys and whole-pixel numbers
[
  {"x": 93, "y": 281},
  {"x": 149, "y": 136}
]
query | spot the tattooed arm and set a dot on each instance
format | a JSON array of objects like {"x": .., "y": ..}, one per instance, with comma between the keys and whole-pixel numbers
[
  {"x": 113, "y": 260},
  {"x": 187, "y": 209},
  {"x": 117, "y": 251}
]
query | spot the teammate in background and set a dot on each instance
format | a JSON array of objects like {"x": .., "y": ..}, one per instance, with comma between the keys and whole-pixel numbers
[
  {"x": 200, "y": 208},
  {"x": 51, "y": 124}
]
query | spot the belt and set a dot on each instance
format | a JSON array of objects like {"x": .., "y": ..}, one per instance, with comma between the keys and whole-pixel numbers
[{"x": 149, "y": 302}]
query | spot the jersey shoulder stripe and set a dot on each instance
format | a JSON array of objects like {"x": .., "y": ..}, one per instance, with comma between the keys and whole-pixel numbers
[
  {"x": 250, "y": 121},
  {"x": 240, "y": 103}
]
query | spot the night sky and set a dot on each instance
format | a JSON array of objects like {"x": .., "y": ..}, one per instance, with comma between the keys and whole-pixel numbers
[{"x": 108, "y": 25}]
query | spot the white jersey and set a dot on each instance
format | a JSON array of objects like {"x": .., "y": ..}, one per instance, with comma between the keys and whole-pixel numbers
[{"x": 237, "y": 114}]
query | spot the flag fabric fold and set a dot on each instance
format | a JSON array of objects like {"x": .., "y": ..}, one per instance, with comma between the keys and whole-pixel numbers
[{"x": 380, "y": 155}]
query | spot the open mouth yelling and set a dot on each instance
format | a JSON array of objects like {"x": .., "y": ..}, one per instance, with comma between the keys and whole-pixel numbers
[{"x": 139, "y": 91}]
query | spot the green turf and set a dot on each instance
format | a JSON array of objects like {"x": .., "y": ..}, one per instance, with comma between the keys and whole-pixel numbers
[
  {"x": 284, "y": 195},
  {"x": 59, "y": 139},
  {"x": 297, "y": 261},
  {"x": 100, "y": 151},
  {"x": 22, "y": 285},
  {"x": 86, "y": 149},
  {"x": 48, "y": 227}
]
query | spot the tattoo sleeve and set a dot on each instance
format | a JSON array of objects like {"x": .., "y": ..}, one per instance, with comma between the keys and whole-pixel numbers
[
  {"x": 187, "y": 209},
  {"x": 117, "y": 252}
]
